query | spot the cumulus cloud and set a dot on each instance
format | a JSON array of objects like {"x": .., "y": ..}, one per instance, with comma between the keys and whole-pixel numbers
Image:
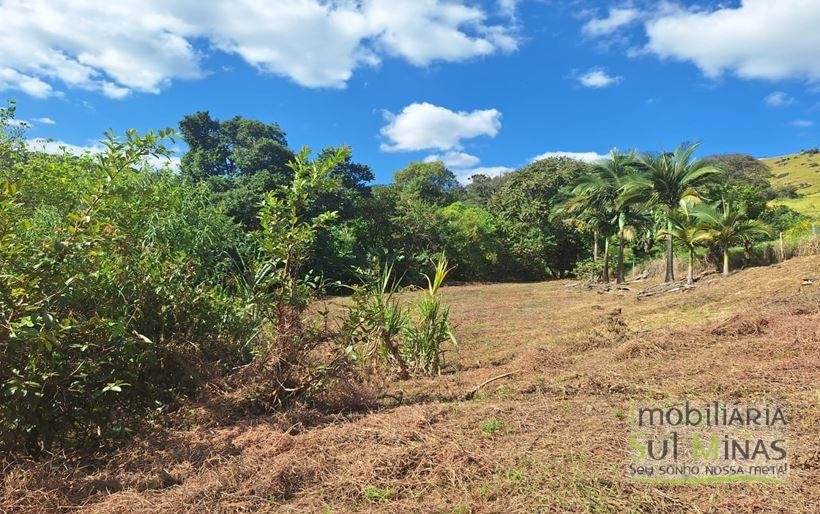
[
  {"x": 465, "y": 176},
  {"x": 424, "y": 126},
  {"x": 597, "y": 78},
  {"x": 454, "y": 159},
  {"x": 802, "y": 124},
  {"x": 617, "y": 18},
  {"x": 778, "y": 99},
  {"x": 117, "y": 48},
  {"x": 580, "y": 156},
  {"x": 759, "y": 39},
  {"x": 45, "y": 121},
  {"x": 56, "y": 147}
]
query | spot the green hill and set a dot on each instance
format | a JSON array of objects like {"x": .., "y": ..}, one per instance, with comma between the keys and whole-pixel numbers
[{"x": 801, "y": 171}]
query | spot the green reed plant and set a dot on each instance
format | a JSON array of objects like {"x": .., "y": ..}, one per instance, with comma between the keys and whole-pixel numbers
[
  {"x": 424, "y": 339},
  {"x": 376, "y": 320}
]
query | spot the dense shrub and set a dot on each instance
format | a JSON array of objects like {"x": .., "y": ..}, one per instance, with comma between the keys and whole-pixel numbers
[{"x": 115, "y": 294}]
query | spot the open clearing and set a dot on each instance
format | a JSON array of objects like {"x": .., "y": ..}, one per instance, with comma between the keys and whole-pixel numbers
[{"x": 550, "y": 437}]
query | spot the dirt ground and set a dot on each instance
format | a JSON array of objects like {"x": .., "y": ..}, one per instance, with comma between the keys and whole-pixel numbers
[{"x": 549, "y": 437}]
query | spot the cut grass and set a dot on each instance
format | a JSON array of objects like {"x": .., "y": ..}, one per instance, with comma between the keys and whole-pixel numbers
[{"x": 754, "y": 335}]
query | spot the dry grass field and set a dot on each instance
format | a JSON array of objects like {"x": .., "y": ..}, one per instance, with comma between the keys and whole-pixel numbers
[{"x": 549, "y": 437}]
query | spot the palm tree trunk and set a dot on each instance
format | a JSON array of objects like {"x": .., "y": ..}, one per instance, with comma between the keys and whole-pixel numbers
[
  {"x": 726, "y": 261},
  {"x": 619, "y": 279},
  {"x": 595, "y": 246},
  {"x": 605, "y": 274},
  {"x": 670, "y": 256},
  {"x": 690, "y": 271}
]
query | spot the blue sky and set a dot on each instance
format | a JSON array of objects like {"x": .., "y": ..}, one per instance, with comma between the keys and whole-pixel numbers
[{"x": 487, "y": 86}]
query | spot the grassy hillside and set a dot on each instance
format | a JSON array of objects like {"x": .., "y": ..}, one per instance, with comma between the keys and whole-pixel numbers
[
  {"x": 801, "y": 170},
  {"x": 549, "y": 435}
]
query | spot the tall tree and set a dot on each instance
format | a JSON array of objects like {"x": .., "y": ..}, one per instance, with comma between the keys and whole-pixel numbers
[
  {"x": 429, "y": 182},
  {"x": 664, "y": 180},
  {"x": 238, "y": 146},
  {"x": 540, "y": 245},
  {"x": 239, "y": 159}
]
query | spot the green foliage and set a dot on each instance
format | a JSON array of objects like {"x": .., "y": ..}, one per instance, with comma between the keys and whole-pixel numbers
[
  {"x": 782, "y": 218},
  {"x": 689, "y": 232},
  {"x": 429, "y": 182},
  {"x": 240, "y": 159},
  {"x": 376, "y": 321},
  {"x": 426, "y": 337},
  {"x": 729, "y": 226},
  {"x": 490, "y": 427},
  {"x": 539, "y": 245},
  {"x": 588, "y": 270},
  {"x": 378, "y": 494},
  {"x": 378, "y": 328},
  {"x": 109, "y": 275},
  {"x": 473, "y": 238}
]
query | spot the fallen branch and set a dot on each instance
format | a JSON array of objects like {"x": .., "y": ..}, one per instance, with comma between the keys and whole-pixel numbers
[{"x": 469, "y": 396}]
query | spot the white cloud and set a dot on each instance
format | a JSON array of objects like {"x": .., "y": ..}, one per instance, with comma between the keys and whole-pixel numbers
[
  {"x": 759, "y": 39},
  {"x": 424, "y": 126},
  {"x": 580, "y": 156},
  {"x": 802, "y": 124},
  {"x": 119, "y": 47},
  {"x": 454, "y": 159},
  {"x": 13, "y": 79},
  {"x": 18, "y": 123},
  {"x": 508, "y": 7},
  {"x": 31, "y": 123},
  {"x": 597, "y": 78},
  {"x": 55, "y": 147},
  {"x": 51, "y": 146},
  {"x": 617, "y": 18},
  {"x": 465, "y": 176},
  {"x": 779, "y": 99}
]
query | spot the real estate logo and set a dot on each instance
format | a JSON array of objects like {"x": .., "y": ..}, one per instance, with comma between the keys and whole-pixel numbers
[{"x": 714, "y": 442}]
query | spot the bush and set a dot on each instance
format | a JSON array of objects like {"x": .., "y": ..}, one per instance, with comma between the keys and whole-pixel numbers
[
  {"x": 115, "y": 292},
  {"x": 588, "y": 270}
]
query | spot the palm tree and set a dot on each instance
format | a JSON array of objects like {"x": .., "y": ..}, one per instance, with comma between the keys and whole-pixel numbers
[
  {"x": 689, "y": 232},
  {"x": 664, "y": 180},
  {"x": 730, "y": 226},
  {"x": 599, "y": 191}
]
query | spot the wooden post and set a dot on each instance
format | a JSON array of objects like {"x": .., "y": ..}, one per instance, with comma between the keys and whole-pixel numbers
[{"x": 782, "y": 249}]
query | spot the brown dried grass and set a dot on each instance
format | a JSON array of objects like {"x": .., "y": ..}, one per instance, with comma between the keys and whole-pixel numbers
[{"x": 752, "y": 336}]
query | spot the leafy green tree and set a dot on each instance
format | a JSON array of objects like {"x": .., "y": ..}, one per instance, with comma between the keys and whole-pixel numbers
[
  {"x": 482, "y": 188},
  {"x": 538, "y": 244},
  {"x": 473, "y": 240},
  {"x": 238, "y": 146},
  {"x": 429, "y": 182},
  {"x": 240, "y": 159},
  {"x": 289, "y": 231},
  {"x": 663, "y": 181}
]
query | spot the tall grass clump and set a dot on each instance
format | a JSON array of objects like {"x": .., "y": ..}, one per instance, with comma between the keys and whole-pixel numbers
[
  {"x": 426, "y": 337},
  {"x": 378, "y": 329},
  {"x": 375, "y": 323}
]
